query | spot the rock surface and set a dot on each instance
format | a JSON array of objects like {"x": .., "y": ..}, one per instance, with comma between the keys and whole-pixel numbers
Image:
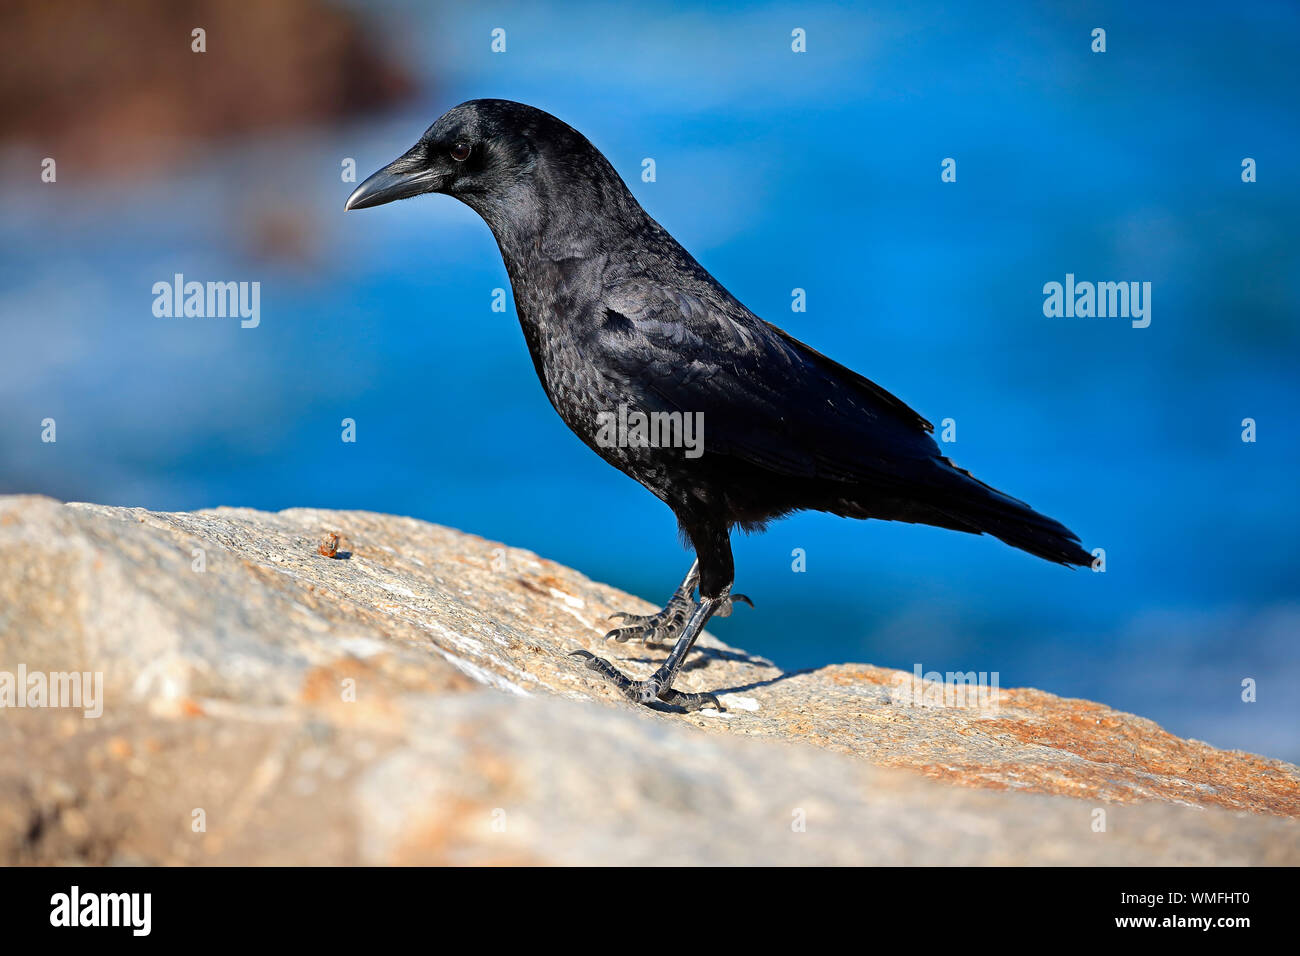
[{"x": 411, "y": 700}]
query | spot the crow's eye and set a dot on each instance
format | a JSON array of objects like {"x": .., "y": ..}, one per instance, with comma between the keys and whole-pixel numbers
[{"x": 460, "y": 152}]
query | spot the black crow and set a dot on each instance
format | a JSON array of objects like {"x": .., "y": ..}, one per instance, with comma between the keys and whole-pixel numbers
[{"x": 727, "y": 419}]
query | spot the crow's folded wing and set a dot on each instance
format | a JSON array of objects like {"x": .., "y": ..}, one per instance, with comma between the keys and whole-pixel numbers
[{"x": 765, "y": 397}]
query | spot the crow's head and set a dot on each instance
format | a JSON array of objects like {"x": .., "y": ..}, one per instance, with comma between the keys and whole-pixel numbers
[
  {"x": 481, "y": 148},
  {"x": 499, "y": 157}
]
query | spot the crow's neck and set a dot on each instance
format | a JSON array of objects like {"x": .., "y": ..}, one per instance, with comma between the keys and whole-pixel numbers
[{"x": 544, "y": 228}]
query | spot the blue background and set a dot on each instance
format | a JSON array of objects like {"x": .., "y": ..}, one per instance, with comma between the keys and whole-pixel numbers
[{"x": 776, "y": 170}]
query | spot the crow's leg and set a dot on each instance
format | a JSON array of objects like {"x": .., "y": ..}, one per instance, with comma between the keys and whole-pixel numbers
[
  {"x": 663, "y": 626},
  {"x": 713, "y": 573},
  {"x": 664, "y": 677},
  {"x": 658, "y": 686}
]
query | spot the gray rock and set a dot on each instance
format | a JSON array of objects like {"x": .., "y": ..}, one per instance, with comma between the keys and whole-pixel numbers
[{"x": 410, "y": 700}]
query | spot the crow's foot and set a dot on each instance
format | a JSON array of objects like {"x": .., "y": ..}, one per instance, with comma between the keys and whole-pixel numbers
[
  {"x": 647, "y": 691},
  {"x": 666, "y": 625}
]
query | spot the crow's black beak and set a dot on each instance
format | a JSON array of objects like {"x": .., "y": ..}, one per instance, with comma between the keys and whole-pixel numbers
[{"x": 404, "y": 177}]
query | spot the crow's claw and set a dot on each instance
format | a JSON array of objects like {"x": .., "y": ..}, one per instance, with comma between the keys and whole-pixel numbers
[
  {"x": 646, "y": 691},
  {"x": 665, "y": 626},
  {"x": 728, "y": 604},
  {"x": 691, "y": 702},
  {"x": 657, "y": 628}
]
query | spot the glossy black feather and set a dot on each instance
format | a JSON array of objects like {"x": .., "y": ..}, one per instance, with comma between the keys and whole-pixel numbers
[{"x": 616, "y": 313}]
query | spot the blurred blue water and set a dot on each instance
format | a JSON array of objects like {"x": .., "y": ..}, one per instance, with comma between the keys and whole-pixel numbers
[{"x": 777, "y": 170}]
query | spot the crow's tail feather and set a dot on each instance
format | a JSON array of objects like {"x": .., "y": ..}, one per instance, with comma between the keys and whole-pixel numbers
[{"x": 982, "y": 509}]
